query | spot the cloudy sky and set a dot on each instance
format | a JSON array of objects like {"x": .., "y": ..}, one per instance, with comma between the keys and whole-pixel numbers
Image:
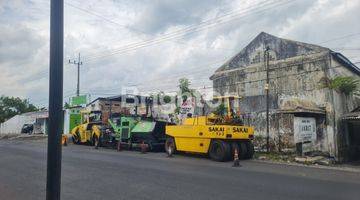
[{"x": 150, "y": 44}]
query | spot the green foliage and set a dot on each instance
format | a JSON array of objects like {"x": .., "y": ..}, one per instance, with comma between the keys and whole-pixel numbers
[
  {"x": 220, "y": 110},
  {"x": 11, "y": 106},
  {"x": 184, "y": 85},
  {"x": 344, "y": 84},
  {"x": 167, "y": 99},
  {"x": 161, "y": 97}
]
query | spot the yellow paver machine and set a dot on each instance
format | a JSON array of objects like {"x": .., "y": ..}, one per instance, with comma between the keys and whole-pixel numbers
[{"x": 217, "y": 135}]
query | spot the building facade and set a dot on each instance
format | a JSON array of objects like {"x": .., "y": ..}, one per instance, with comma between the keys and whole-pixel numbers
[{"x": 302, "y": 111}]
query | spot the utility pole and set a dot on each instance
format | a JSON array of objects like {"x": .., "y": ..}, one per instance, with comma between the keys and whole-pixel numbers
[
  {"x": 53, "y": 177},
  {"x": 267, "y": 57},
  {"x": 78, "y": 63}
]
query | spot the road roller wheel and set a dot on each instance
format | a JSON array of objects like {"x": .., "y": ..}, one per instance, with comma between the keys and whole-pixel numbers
[
  {"x": 219, "y": 150},
  {"x": 170, "y": 146}
]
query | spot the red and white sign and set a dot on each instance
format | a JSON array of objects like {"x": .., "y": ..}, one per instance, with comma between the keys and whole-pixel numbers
[{"x": 187, "y": 107}]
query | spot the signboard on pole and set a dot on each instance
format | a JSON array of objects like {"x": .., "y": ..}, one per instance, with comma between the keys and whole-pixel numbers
[
  {"x": 187, "y": 108},
  {"x": 304, "y": 129},
  {"x": 78, "y": 100}
]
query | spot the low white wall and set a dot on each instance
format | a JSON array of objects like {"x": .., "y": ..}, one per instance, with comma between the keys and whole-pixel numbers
[{"x": 15, "y": 124}]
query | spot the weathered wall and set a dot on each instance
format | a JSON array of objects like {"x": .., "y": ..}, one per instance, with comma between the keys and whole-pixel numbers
[
  {"x": 292, "y": 80},
  {"x": 340, "y": 104},
  {"x": 297, "y": 73},
  {"x": 294, "y": 83}
]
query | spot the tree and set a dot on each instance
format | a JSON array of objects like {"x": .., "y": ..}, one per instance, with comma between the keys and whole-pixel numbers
[
  {"x": 11, "y": 106},
  {"x": 342, "y": 84},
  {"x": 167, "y": 99},
  {"x": 161, "y": 97},
  {"x": 184, "y": 86}
]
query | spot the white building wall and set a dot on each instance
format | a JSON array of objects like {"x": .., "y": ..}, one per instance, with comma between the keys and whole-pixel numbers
[{"x": 14, "y": 124}]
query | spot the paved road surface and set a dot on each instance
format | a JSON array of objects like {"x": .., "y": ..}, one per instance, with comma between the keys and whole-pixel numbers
[{"x": 107, "y": 174}]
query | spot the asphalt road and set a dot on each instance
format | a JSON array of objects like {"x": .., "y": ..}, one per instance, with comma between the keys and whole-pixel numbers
[{"x": 106, "y": 174}]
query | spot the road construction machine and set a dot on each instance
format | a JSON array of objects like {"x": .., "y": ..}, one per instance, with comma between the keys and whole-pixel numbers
[
  {"x": 217, "y": 135},
  {"x": 135, "y": 131},
  {"x": 131, "y": 131},
  {"x": 89, "y": 131}
]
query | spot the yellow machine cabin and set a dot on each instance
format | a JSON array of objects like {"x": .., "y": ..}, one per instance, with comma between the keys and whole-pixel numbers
[{"x": 217, "y": 135}]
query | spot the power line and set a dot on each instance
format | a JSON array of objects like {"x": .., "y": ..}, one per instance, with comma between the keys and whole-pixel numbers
[
  {"x": 105, "y": 19},
  {"x": 140, "y": 31},
  {"x": 178, "y": 75},
  {"x": 159, "y": 40},
  {"x": 340, "y": 38},
  {"x": 191, "y": 29},
  {"x": 347, "y": 49},
  {"x": 46, "y": 72}
]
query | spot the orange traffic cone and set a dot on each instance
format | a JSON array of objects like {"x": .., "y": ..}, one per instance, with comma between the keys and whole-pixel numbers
[
  {"x": 64, "y": 140},
  {"x": 236, "y": 159}
]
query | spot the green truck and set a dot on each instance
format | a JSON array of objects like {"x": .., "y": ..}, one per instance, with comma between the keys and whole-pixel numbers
[{"x": 131, "y": 132}]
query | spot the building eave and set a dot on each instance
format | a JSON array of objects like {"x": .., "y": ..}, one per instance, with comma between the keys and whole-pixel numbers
[
  {"x": 346, "y": 62},
  {"x": 301, "y": 110},
  {"x": 351, "y": 116},
  {"x": 93, "y": 101}
]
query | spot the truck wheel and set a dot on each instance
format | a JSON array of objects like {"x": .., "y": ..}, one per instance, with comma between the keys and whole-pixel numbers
[
  {"x": 243, "y": 150},
  {"x": 76, "y": 138},
  {"x": 170, "y": 146},
  {"x": 250, "y": 150},
  {"x": 219, "y": 150},
  {"x": 96, "y": 142}
]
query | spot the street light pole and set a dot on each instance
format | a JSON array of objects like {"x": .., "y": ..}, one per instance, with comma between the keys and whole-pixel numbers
[
  {"x": 53, "y": 181},
  {"x": 267, "y": 99}
]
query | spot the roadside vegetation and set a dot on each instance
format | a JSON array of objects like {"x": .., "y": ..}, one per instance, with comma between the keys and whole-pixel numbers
[
  {"x": 11, "y": 106},
  {"x": 343, "y": 84}
]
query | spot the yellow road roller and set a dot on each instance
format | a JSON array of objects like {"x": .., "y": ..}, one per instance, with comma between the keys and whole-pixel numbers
[
  {"x": 217, "y": 135},
  {"x": 89, "y": 131}
]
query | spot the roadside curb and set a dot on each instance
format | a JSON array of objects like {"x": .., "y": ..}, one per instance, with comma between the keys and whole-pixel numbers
[
  {"x": 338, "y": 168},
  {"x": 14, "y": 137}
]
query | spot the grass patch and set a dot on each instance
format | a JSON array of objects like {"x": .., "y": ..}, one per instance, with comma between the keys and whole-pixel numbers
[{"x": 275, "y": 156}]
